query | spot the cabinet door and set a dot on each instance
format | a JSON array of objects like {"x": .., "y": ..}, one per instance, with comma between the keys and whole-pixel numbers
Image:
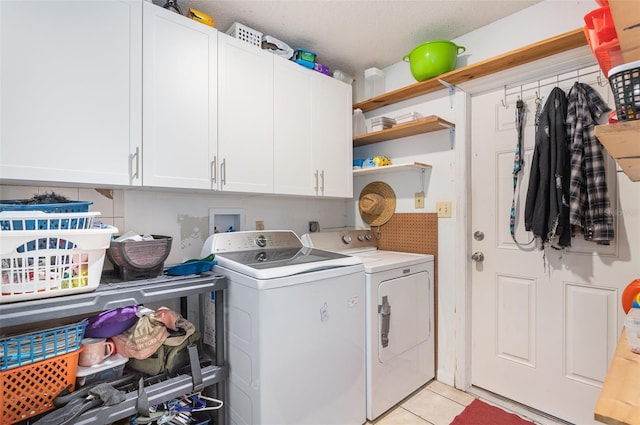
[
  {"x": 245, "y": 116},
  {"x": 70, "y": 79},
  {"x": 331, "y": 133},
  {"x": 293, "y": 162},
  {"x": 179, "y": 100}
]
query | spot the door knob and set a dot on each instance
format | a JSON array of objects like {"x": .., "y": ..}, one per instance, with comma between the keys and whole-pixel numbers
[{"x": 477, "y": 256}]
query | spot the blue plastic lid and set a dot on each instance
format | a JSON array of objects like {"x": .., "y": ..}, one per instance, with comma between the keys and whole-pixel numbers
[{"x": 193, "y": 267}]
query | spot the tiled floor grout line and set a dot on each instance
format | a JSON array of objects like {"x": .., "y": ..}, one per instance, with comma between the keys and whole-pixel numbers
[{"x": 427, "y": 422}]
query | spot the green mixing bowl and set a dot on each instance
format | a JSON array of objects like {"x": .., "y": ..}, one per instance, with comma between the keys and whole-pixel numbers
[{"x": 433, "y": 58}]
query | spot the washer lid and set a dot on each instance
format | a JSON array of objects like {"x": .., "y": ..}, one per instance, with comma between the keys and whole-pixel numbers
[{"x": 282, "y": 262}]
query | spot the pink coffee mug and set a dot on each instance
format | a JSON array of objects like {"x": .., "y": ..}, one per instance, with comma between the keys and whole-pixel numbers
[{"x": 95, "y": 351}]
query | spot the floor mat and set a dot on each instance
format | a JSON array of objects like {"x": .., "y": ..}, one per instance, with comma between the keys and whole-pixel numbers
[{"x": 481, "y": 413}]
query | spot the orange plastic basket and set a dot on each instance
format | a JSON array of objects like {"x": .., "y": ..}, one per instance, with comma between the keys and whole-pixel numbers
[{"x": 28, "y": 391}]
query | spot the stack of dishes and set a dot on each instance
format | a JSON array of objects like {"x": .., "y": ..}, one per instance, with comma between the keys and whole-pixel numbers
[
  {"x": 380, "y": 123},
  {"x": 410, "y": 117}
]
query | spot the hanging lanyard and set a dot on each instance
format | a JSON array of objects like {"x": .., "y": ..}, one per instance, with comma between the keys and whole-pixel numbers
[{"x": 517, "y": 166}]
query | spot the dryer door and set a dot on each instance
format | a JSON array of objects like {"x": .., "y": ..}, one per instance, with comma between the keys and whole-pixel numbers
[{"x": 403, "y": 314}]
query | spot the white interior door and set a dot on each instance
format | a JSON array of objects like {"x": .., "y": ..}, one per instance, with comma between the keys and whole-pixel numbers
[{"x": 544, "y": 325}]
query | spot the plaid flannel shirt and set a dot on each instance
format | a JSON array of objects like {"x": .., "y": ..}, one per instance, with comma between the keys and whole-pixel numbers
[{"x": 589, "y": 207}]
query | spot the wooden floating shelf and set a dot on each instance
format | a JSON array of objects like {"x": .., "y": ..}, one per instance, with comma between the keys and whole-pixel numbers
[
  {"x": 423, "y": 125},
  {"x": 530, "y": 53},
  {"x": 390, "y": 168},
  {"x": 622, "y": 141},
  {"x": 618, "y": 403}
]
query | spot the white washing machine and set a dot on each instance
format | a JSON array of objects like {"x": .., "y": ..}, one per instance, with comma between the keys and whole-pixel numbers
[
  {"x": 296, "y": 330},
  {"x": 400, "y": 346}
]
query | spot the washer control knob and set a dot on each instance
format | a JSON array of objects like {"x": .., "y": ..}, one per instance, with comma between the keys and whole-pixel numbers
[
  {"x": 261, "y": 241},
  {"x": 346, "y": 239}
]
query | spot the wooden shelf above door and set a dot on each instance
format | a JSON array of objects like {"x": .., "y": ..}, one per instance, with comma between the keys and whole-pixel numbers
[{"x": 532, "y": 52}]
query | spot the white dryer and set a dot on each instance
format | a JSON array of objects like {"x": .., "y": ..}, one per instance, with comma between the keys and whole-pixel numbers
[{"x": 400, "y": 344}]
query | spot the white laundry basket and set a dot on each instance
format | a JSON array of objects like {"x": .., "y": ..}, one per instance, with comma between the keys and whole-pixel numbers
[{"x": 48, "y": 263}]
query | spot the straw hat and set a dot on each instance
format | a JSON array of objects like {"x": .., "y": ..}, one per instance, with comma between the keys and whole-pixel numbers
[{"x": 377, "y": 203}]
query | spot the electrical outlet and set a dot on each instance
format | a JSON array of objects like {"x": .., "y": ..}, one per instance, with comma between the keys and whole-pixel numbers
[
  {"x": 419, "y": 199},
  {"x": 443, "y": 209},
  {"x": 259, "y": 224}
]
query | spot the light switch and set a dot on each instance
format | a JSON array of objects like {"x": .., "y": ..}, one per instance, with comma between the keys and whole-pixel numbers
[
  {"x": 419, "y": 200},
  {"x": 443, "y": 208}
]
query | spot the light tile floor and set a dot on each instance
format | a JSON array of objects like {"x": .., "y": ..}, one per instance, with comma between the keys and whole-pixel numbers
[{"x": 435, "y": 404}]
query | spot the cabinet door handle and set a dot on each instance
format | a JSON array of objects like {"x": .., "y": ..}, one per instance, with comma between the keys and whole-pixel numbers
[
  {"x": 315, "y": 174},
  {"x": 214, "y": 170},
  {"x": 135, "y": 170},
  {"x": 223, "y": 172},
  {"x": 322, "y": 179}
]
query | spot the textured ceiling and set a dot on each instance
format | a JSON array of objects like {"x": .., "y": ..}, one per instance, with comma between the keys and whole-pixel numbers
[{"x": 355, "y": 35}]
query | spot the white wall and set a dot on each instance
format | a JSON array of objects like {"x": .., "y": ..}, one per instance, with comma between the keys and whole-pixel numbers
[
  {"x": 446, "y": 181},
  {"x": 185, "y": 215}
]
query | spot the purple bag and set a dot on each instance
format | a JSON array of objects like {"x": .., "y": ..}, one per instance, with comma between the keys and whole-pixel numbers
[{"x": 111, "y": 322}]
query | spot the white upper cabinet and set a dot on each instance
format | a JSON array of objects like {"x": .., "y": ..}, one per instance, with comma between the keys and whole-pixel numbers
[
  {"x": 245, "y": 116},
  {"x": 312, "y": 133},
  {"x": 331, "y": 134},
  {"x": 70, "y": 85},
  {"x": 293, "y": 157},
  {"x": 179, "y": 101}
]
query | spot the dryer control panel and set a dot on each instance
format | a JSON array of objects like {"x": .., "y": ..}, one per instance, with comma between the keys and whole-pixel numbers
[{"x": 345, "y": 240}]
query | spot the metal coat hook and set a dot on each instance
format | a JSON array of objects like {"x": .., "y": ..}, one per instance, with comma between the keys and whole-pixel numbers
[
  {"x": 601, "y": 82},
  {"x": 504, "y": 101},
  {"x": 538, "y": 98}
]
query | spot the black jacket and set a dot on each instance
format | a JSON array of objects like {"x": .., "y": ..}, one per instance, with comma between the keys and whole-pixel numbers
[{"x": 547, "y": 208}]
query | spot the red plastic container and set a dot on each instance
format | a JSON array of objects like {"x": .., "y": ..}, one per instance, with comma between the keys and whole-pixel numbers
[{"x": 601, "y": 35}]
